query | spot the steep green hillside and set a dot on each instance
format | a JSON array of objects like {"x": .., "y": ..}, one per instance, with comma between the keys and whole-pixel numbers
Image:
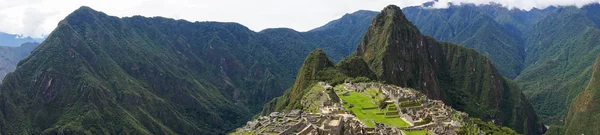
[
  {"x": 106, "y": 75},
  {"x": 316, "y": 67},
  {"x": 560, "y": 51},
  {"x": 98, "y": 74},
  {"x": 584, "y": 113},
  {"x": 396, "y": 52},
  {"x": 10, "y": 57},
  {"x": 468, "y": 26},
  {"x": 549, "y": 52}
]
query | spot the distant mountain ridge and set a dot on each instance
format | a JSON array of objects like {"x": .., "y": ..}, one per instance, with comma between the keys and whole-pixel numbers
[
  {"x": 10, "y": 57},
  {"x": 16, "y": 40}
]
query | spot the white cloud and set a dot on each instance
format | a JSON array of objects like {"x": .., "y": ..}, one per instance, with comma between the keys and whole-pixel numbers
[
  {"x": 37, "y": 17},
  {"x": 520, "y": 4}
]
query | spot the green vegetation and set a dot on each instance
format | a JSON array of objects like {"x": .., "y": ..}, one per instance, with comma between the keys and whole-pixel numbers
[
  {"x": 399, "y": 54},
  {"x": 474, "y": 125},
  {"x": 561, "y": 51},
  {"x": 159, "y": 75},
  {"x": 416, "y": 132},
  {"x": 473, "y": 27},
  {"x": 367, "y": 111},
  {"x": 409, "y": 104},
  {"x": 461, "y": 77},
  {"x": 316, "y": 67},
  {"x": 549, "y": 52},
  {"x": 99, "y": 74},
  {"x": 354, "y": 66},
  {"x": 583, "y": 116}
]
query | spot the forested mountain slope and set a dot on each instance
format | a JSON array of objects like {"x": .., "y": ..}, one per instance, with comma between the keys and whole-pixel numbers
[
  {"x": 584, "y": 111},
  {"x": 101, "y": 74}
]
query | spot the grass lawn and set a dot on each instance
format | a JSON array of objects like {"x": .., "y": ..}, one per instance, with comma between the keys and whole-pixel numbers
[
  {"x": 361, "y": 100},
  {"x": 418, "y": 132}
]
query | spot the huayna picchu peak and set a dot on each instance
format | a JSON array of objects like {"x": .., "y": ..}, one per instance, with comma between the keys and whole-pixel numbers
[{"x": 398, "y": 54}]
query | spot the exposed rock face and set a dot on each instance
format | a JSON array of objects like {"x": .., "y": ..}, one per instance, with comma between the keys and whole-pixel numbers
[
  {"x": 399, "y": 54},
  {"x": 584, "y": 111}
]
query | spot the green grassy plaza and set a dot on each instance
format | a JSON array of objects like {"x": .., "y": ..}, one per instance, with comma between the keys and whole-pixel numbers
[{"x": 365, "y": 109}]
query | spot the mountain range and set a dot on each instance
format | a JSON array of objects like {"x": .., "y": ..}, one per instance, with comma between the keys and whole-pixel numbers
[
  {"x": 13, "y": 40},
  {"x": 102, "y": 74}
]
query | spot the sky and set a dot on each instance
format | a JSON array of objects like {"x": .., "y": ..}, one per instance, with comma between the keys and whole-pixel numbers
[{"x": 37, "y": 18}]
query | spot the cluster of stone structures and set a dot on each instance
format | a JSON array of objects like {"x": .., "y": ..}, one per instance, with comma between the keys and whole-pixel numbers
[
  {"x": 331, "y": 120},
  {"x": 298, "y": 123},
  {"x": 420, "y": 112},
  {"x": 334, "y": 120}
]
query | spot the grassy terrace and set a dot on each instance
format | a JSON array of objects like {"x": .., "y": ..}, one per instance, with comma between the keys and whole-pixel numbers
[
  {"x": 366, "y": 110},
  {"x": 418, "y": 132}
]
